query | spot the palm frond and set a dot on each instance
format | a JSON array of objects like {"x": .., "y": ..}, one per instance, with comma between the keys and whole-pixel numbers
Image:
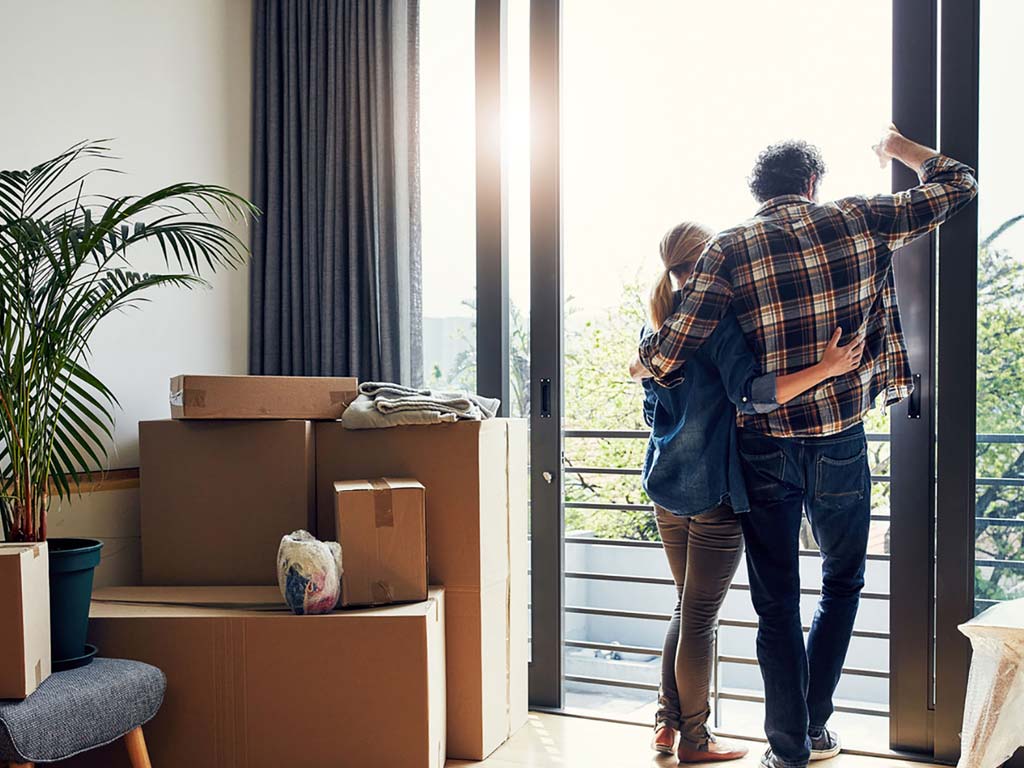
[{"x": 64, "y": 267}]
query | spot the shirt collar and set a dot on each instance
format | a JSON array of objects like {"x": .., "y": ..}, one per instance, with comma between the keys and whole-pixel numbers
[{"x": 781, "y": 200}]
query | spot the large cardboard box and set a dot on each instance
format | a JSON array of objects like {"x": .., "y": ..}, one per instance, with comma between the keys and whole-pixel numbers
[
  {"x": 265, "y": 689},
  {"x": 261, "y": 397},
  {"x": 476, "y": 506},
  {"x": 217, "y": 496},
  {"x": 24, "y": 618},
  {"x": 382, "y": 531}
]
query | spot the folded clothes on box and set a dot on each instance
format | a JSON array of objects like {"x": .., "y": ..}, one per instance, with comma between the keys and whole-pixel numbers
[{"x": 381, "y": 404}]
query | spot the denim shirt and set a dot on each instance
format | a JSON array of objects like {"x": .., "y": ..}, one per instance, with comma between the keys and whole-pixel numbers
[{"x": 692, "y": 463}]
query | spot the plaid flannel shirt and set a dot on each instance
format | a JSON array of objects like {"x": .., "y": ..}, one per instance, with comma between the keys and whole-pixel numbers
[{"x": 794, "y": 273}]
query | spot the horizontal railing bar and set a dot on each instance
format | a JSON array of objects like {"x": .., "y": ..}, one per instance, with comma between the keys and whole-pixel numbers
[
  {"x": 602, "y": 470},
  {"x": 724, "y": 695},
  {"x": 752, "y": 624},
  {"x": 1009, "y": 482},
  {"x": 617, "y": 614},
  {"x": 1013, "y": 565},
  {"x": 722, "y": 658},
  {"x": 628, "y": 579},
  {"x": 872, "y": 437},
  {"x": 637, "y": 472},
  {"x": 612, "y": 647},
  {"x": 852, "y": 671},
  {"x": 1009, "y": 522},
  {"x": 613, "y": 542},
  {"x": 649, "y": 508},
  {"x": 816, "y": 592},
  {"x": 657, "y": 545},
  {"x": 620, "y": 577},
  {"x": 608, "y": 505},
  {"x": 739, "y": 623},
  {"x": 643, "y": 434},
  {"x": 609, "y": 681}
]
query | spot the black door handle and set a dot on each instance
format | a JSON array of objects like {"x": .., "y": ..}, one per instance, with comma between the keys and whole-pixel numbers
[
  {"x": 545, "y": 398},
  {"x": 914, "y": 405}
]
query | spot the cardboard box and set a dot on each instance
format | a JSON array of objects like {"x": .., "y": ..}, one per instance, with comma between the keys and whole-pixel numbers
[
  {"x": 261, "y": 397},
  {"x": 25, "y": 618},
  {"x": 476, "y": 506},
  {"x": 267, "y": 689},
  {"x": 217, "y": 496},
  {"x": 382, "y": 531}
]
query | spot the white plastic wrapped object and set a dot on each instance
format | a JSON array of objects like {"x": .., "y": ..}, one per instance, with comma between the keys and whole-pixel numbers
[
  {"x": 309, "y": 573},
  {"x": 994, "y": 711}
]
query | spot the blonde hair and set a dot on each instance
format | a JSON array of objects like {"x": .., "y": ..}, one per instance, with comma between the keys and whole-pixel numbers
[{"x": 680, "y": 249}]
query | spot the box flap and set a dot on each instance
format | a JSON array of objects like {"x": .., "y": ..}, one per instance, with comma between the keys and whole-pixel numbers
[
  {"x": 393, "y": 483},
  {"x": 226, "y": 602}
]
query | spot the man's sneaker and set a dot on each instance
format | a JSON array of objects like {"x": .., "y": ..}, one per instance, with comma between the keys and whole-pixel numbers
[
  {"x": 825, "y": 745},
  {"x": 769, "y": 760}
]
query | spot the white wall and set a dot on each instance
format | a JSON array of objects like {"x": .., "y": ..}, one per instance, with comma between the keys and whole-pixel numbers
[{"x": 170, "y": 83}]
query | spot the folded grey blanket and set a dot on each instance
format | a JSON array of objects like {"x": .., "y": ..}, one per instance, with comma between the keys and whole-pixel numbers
[
  {"x": 382, "y": 404},
  {"x": 387, "y": 389},
  {"x": 464, "y": 406},
  {"x": 362, "y": 413}
]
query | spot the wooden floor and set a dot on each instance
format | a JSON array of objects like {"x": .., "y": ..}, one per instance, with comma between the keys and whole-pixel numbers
[{"x": 553, "y": 741}]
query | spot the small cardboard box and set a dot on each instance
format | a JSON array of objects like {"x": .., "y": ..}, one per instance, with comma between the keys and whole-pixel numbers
[
  {"x": 382, "y": 531},
  {"x": 475, "y": 475},
  {"x": 25, "y": 618},
  {"x": 263, "y": 689},
  {"x": 217, "y": 496},
  {"x": 261, "y": 397}
]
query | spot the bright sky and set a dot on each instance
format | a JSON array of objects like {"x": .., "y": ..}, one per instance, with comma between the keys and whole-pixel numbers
[{"x": 665, "y": 106}]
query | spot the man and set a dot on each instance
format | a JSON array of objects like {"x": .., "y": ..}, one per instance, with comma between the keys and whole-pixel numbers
[{"x": 793, "y": 274}]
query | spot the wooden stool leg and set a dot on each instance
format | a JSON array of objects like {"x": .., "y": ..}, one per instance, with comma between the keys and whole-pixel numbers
[{"x": 136, "y": 744}]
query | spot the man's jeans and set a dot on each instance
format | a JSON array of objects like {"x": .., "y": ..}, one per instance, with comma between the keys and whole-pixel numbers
[{"x": 828, "y": 477}]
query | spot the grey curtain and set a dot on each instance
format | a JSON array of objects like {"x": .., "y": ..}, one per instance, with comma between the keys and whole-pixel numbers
[{"x": 335, "y": 272}]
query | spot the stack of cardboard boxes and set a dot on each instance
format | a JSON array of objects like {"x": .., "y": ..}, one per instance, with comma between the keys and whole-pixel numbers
[{"x": 246, "y": 460}]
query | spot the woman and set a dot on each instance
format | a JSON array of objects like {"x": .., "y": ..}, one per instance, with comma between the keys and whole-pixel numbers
[{"x": 692, "y": 473}]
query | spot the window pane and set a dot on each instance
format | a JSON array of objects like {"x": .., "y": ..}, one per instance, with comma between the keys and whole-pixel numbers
[
  {"x": 999, "y": 572},
  {"x": 448, "y": 193}
]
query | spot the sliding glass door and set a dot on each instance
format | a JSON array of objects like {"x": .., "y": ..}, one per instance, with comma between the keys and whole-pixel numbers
[
  {"x": 593, "y": 126},
  {"x": 648, "y": 115}
]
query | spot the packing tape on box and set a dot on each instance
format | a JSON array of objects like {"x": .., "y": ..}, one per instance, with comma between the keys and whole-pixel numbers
[
  {"x": 195, "y": 398},
  {"x": 384, "y": 513}
]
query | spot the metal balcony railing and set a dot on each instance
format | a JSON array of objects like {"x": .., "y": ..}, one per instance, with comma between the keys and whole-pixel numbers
[{"x": 718, "y": 693}]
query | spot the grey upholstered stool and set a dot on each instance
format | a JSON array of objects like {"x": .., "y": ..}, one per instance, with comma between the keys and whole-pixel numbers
[{"x": 80, "y": 709}]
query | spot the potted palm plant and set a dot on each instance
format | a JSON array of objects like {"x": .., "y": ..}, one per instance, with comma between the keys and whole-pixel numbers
[{"x": 64, "y": 267}]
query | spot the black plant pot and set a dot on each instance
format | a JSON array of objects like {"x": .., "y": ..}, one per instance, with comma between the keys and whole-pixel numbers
[{"x": 72, "y": 562}]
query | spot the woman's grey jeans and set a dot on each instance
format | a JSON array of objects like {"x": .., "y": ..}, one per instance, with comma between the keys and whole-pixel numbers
[{"x": 703, "y": 553}]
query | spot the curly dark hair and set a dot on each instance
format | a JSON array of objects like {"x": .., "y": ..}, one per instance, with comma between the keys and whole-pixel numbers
[{"x": 785, "y": 169}]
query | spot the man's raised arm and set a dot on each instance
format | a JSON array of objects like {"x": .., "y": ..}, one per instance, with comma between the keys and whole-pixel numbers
[
  {"x": 946, "y": 187},
  {"x": 704, "y": 300}
]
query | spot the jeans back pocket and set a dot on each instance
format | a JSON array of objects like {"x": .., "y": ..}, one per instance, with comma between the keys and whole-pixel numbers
[{"x": 840, "y": 479}]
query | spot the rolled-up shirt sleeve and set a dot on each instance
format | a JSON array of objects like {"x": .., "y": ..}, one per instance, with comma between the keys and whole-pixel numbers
[
  {"x": 762, "y": 397},
  {"x": 704, "y": 300},
  {"x": 947, "y": 185}
]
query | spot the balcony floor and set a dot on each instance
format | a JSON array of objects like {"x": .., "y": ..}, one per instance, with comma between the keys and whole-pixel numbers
[{"x": 554, "y": 741}]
